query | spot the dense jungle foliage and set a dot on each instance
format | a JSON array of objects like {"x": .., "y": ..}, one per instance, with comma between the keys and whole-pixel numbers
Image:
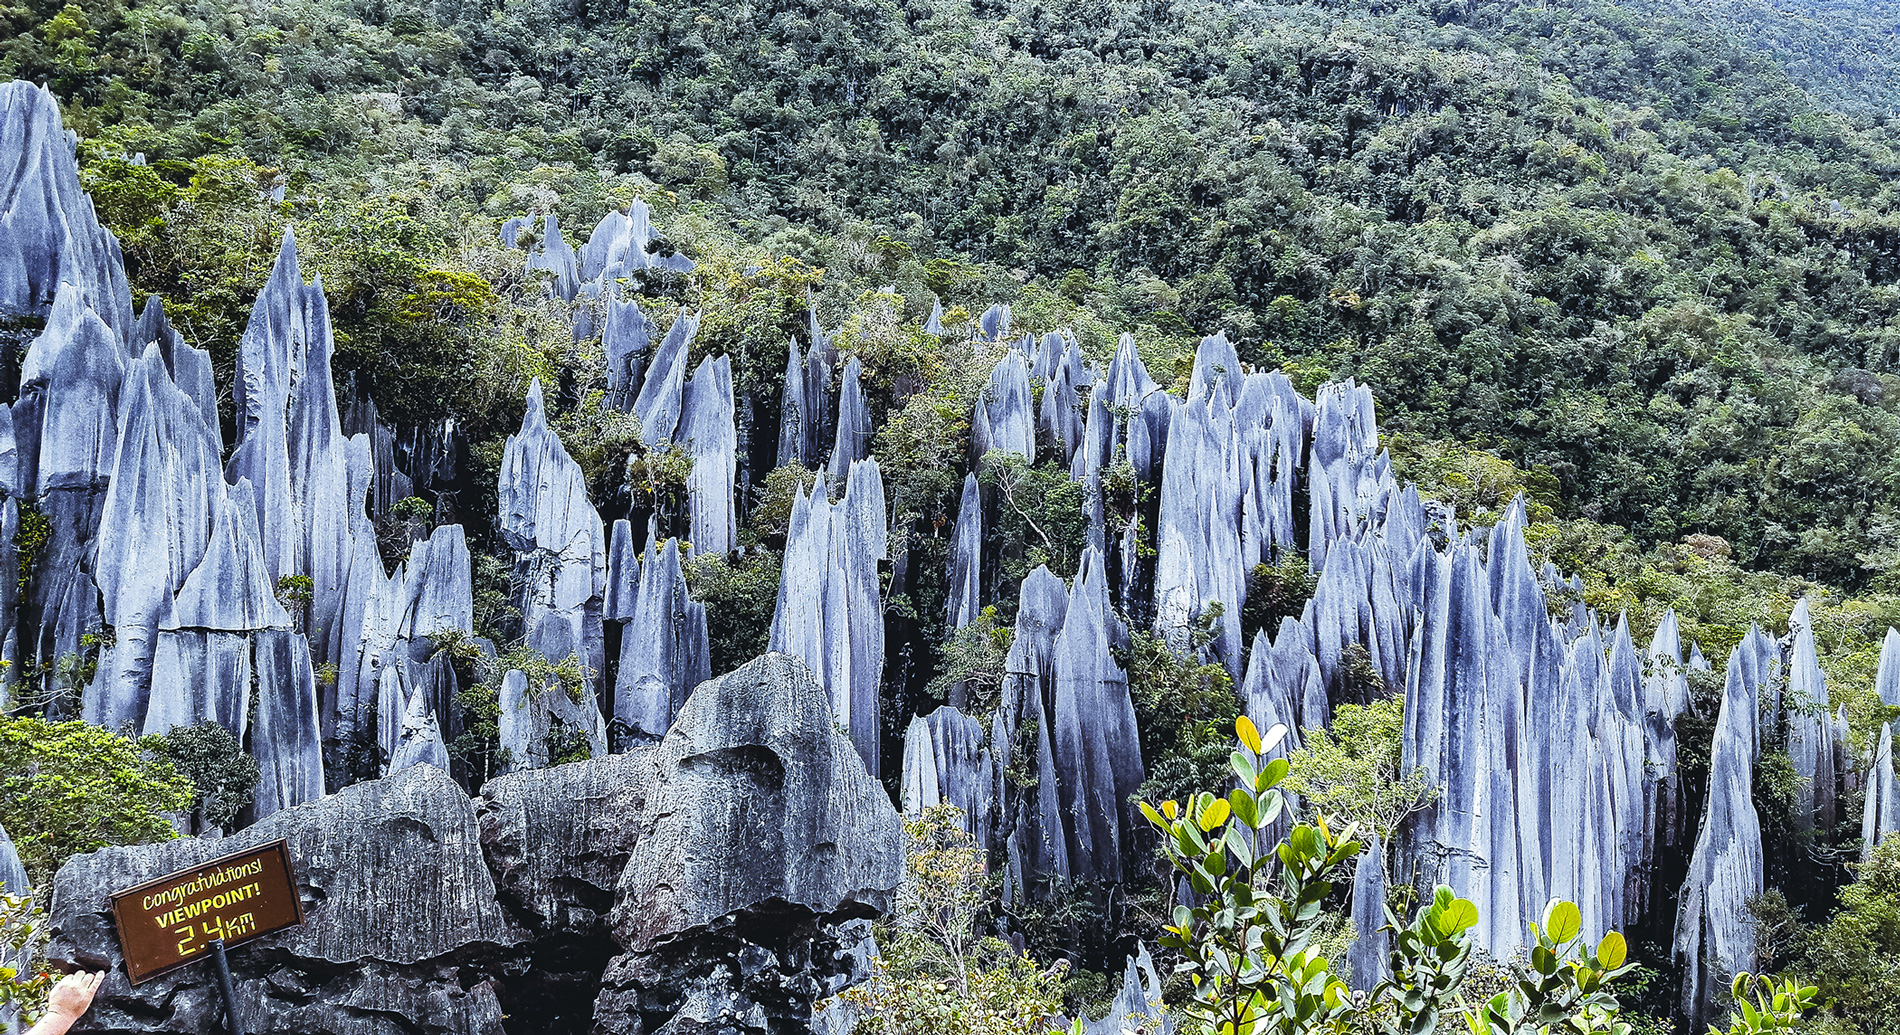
[
  {"x": 1628, "y": 251},
  {"x": 1638, "y": 261}
]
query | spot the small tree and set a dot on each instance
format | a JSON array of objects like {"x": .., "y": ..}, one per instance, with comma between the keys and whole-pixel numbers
[
  {"x": 223, "y": 775},
  {"x": 936, "y": 973},
  {"x": 71, "y": 787}
]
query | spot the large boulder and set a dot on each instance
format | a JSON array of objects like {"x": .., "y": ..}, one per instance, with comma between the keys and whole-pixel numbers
[
  {"x": 556, "y": 840},
  {"x": 402, "y": 933},
  {"x": 762, "y": 837}
]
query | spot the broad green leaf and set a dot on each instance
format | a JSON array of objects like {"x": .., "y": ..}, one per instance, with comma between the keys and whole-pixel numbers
[
  {"x": 1153, "y": 816},
  {"x": 1458, "y": 916},
  {"x": 1249, "y": 735},
  {"x": 1562, "y": 921},
  {"x": 1214, "y": 814},
  {"x": 1611, "y": 951}
]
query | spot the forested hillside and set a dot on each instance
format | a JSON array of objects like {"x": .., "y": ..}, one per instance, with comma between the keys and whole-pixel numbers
[
  {"x": 1611, "y": 246},
  {"x": 1620, "y": 281},
  {"x": 1844, "y": 52}
]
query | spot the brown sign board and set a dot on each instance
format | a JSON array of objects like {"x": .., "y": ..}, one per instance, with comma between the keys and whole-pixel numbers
[{"x": 169, "y": 922}]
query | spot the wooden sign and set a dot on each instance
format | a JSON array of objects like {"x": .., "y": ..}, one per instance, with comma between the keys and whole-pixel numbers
[{"x": 169, "y": 922}]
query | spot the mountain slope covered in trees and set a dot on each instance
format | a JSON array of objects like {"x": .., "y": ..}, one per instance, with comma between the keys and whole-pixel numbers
[{"x": 1611, "y": 245}]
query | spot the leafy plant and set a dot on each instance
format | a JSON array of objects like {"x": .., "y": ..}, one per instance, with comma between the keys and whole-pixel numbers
[
  {"x": 223, "y": 776},
  {"x": 71, "y": 787}
]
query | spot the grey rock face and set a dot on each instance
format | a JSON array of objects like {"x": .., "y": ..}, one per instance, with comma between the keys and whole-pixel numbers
[
  {"x": 1810, "y": 738},
  {"x": 1880, "y": 816},
  {"x": 664, "y": 651},
  {"x": 946, "y": 763},
  {"x": 558, "y": 838},
  {"x": 560, "y": 545},
  {"x": 1007, "y": 411},
  {"x": 1887, "y": 678},
  {"x": 1029, "y": 820},
  {"x": 662, "y": 396},
  {"x": 552, "y": 253},
  {"x": 805, "y": 410},
  {"x": 708, "y": 432},
  {"x": 402, "y": 931},
  {"x": 625, "y": 338},
  {"x": 1715, "y": 930},
  {"x": 829, "y": 611},
  {"x": 49, "y": 234},
  {"x": 154, "y": 528},
  {"x": 1097, "y": 745},
  {"x": 964, "y": 601},
  {"x": 1137, "y": 1007},
  {"x": 65, "y": 431},
  {"x": 1368, "y": 959},
  {"x": 853, "y": 441},
  {"x": 762, "y": 826}
]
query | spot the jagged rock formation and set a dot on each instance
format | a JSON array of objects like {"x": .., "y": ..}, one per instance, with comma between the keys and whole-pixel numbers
[
  {"x": 400, "y": 920},
  {"x": 763, "y": 828},
  {"x": 964, "y": 600},
  {"x": 1368, "y": 958},
  {"x": 709, "y": 435},
  {"x": 1880, "y": 816},
  {"x": 49, "y": 237},
  {"x": 252, "y": 591},
  {"x": 1810, "y": 726},
  {"x": 806, "y": 410},
  {"x": 946, "y": 763},
  {"x": 1715, "y": 930},
  {"x": 829, "y": 611},
  {"x": 557, "y": 840},
  {"x": 663, "y": 648},
  {"x": 559, "y": 543},
  {"x": 853, "y": 441},
  {"x": 1137, "y": 1007},
  {"x": 1004, "y": 419}
]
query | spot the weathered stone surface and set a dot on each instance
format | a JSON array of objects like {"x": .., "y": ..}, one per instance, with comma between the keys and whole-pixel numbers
[
  {"x": 805, "y": 407},
  {"x": 558, "y": 838},
  {"x": 1008, "y": 414},
  {"x": 49, "y": 236},
  {"x": 153, "y": 531},
  {"x": 1097, "y": 744},
  {"x": 661, "y": 397},
  {"x": 552, "y": 253},
  {"x": 709, "y": 434},
  {"x": 762, "y": 827},
  {"x": 287, "y": 737},
  {"x": 853, "y": 442},
  {"x": 1880, "y": 816},
  {"x": 401, "y": 932},
  {"x": 1810, "y": 740},
  {"x": 1715, "y": 929},
  {"x": 946, "y": 763},
  {"x": 560, "y": 545},
  {"x": 829, "y": 611},
  {"x": 1368, "y": 958},
  {"x": 1887, "y": 678},
  {"x": 664, "y": 651},
  {"x": 625, "y": 339},
  {"x": 1137, "y": 1007},
  {"x": 1029, "y": 823},
  {"x": 965, "y": 597}
]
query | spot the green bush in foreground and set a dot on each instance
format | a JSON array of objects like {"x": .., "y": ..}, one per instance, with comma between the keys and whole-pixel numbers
[{"x": 1249, "y": 942}]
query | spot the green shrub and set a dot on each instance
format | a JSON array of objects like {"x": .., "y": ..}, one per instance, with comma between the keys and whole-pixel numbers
[{"x": 71, "y": 787}]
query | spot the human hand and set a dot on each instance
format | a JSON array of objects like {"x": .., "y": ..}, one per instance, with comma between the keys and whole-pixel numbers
[{"x": 72, "y": 997}]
